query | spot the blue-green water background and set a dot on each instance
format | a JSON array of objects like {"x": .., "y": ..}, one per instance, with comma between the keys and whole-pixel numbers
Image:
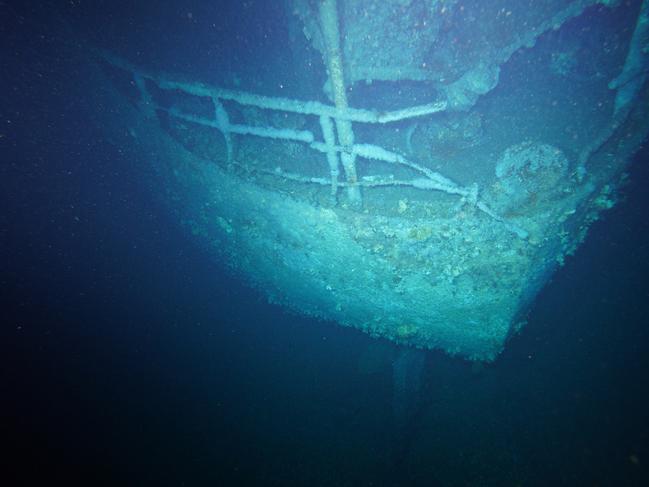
[{"x": 130, "y": 358}]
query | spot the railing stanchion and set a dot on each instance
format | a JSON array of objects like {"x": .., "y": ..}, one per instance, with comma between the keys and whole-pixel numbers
[{"x": 223, "y": 122}]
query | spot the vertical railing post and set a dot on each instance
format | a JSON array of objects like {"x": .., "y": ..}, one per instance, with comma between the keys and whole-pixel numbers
[
  {"x": 223, "y": 121},
  {"x": 146, "y": 103},
  {"x": 332, "y": 156}
]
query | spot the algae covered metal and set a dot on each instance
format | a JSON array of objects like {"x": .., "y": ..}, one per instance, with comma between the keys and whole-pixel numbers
[{"x": 451, "y": 155}]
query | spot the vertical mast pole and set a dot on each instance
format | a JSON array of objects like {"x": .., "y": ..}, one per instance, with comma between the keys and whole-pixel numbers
[{"x": 333, "y": 57}]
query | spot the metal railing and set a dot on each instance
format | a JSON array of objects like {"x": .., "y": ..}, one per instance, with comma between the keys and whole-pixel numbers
[{"x": 328, "y": 144}]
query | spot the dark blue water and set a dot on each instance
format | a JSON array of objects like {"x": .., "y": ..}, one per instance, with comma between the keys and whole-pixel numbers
[{"x": 129, "y": 357}]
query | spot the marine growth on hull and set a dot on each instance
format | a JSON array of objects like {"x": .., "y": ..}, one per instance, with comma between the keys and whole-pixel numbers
[{"x": 439, "y": 160}]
